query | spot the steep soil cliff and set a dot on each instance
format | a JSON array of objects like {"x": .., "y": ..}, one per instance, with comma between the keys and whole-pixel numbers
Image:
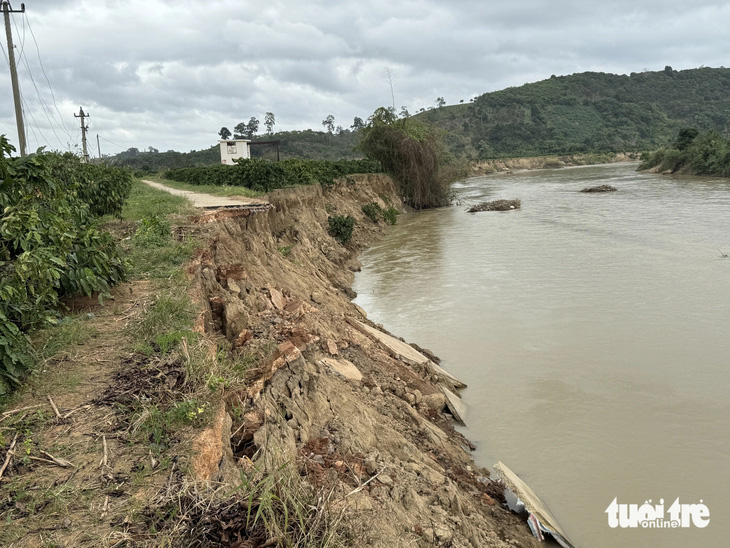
[{"x": 364, "y": 423}]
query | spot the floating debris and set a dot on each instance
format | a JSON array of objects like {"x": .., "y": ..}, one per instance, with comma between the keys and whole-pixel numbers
[
  {"x": 497, "y": 205},
  {"x": 600, "y": 188}
]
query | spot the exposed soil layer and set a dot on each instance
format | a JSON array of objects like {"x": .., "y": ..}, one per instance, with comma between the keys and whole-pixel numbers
[{"x": 369, "y": 428}]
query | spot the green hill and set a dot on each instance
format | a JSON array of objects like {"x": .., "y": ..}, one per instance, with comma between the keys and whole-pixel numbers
[{"x": 588, "y": 112}]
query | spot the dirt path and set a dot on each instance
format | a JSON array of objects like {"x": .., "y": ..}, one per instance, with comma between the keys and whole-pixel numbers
[{"x": 208, "y": 201}]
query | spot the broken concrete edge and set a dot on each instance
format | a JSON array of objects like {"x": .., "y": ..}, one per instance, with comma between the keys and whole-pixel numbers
[
  {"x": 534, "y": 505},
  {"x": 456, "y": 406},
  {"x": 414, "y": 358}
]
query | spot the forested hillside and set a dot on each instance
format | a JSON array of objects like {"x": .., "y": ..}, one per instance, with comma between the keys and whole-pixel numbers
[{"x": 588, "y": 112}]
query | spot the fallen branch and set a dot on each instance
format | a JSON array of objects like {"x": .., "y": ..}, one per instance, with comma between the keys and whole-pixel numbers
[
  {"x": 105, "y": 458},
  {"x": 12, "y": 412},
  {"x": 55, "y": 409},
  {"x": 362, "y": 486},
  {"x": 63, "y": 463},
  {"x": 8, "y": 456}
]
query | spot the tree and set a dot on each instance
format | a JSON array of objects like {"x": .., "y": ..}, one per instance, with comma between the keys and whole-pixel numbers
[
  {"x": 240, "y": 131},
  {"x": 329, "y": 123},
  {"x": 357, "y": 124},
  {"x": 225, "y": 133},
  {"x": 252, "y": 126},
  {"x": 685, "y": 138},
  {"x": 440, "y": 102},
  {"x": 269, "y": 122},
  {"x": 404, "y": 112}
]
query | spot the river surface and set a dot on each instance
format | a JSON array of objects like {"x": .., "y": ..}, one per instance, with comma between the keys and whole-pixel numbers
[{"x": 593, "y": 331}]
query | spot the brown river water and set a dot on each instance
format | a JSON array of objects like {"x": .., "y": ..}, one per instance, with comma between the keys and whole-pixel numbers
[{"x": 593, "y": 331}]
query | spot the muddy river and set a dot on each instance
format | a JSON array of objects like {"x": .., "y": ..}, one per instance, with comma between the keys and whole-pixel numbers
[{"x": 593, "y": 331}]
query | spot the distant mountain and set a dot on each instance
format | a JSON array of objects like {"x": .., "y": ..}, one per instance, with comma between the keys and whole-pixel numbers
[{"x": 588, "y": 112}]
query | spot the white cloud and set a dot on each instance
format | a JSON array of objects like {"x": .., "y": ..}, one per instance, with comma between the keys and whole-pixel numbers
[{"x": 170, "y": 73}]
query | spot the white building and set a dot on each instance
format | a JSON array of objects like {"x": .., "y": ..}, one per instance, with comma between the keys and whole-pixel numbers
[{"x": 233, "y": 149}]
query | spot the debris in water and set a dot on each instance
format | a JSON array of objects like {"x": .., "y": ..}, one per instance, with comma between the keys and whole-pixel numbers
[
  {"x": 497, "y": 205},
  {"x": 600, "y": 188}
]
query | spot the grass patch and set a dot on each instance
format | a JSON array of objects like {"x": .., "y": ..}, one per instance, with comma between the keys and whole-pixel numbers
[
  {"x": 145, "y": 201},
  {"x": 170, "y": 312},
  {"x": 69, "y": 332}
]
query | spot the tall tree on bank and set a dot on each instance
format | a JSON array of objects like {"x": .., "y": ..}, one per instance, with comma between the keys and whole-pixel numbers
[
  {"x": 225, "y": 133},
  {"x": 240, "y": 131},
  {"x": 269, "y": 122},
  {"x": 329, "y": 125},
  {"x": 357, "y": 124},
  {"x": 414, "y": 154},
  {"x": 252, "y": 126}
]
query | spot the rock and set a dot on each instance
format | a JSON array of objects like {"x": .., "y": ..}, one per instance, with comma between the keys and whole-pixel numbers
[
  {"x": 436, "y": 401},
  {"x": 496, "y": 205},
  {"x": 235, "y": 319},
  {"x": 317, "y": 297},
  {"x": 289, "y": 352},
  {"x": 343, "y": 367},
  {"x": 385, "y": 479},
  {"x": 277, "y": 298},
  {"x": 370, "y": 465},
  {"x": 243, "y": 337},
  {"x": 211, "y": 446},
  {"x": 410, "y": 398},
  {"x": 443, "y": 534},
  {"x": 600, "y": 188},
  {"x": 331, "y": 347},
  {"x": 429, "y": 536}
]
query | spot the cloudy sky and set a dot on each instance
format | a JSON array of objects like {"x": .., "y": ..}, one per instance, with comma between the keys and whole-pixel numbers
[{"x": 169, "y": 74}]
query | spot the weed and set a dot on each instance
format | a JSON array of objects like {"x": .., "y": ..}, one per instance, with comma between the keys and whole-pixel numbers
[
  {"x": 285, "y": 250},
  {"x": 170, "y": 313},
  {"x": 390, "y": 215},
  {"x": 341, "y": 227},
  {"x": 373, "y": 211}
]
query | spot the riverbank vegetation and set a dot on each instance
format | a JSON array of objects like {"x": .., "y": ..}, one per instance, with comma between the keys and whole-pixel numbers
[
  {"x": 265, "y": 176},
  {"x": 51, "y": 244},
  {"x": 413, "y": 153},
  {"x": 692, "y": 153}
]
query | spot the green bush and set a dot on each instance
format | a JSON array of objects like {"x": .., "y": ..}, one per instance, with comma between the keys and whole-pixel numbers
[
  {"x": 341, "y": 227},
  {"x": 373, "y": 211},
  {"x": 153, "y": 231},
  {"x": 50, "y": 246},
  {"x": 390, "y": 215},
  {"x": 265, "y": 176}
]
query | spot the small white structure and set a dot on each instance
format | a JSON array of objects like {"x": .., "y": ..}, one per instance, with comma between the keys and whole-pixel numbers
[{"x": 233, "y": 149}]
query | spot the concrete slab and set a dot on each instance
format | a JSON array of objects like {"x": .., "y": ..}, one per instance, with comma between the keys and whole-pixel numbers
[
  {"x": 208, "y": 201},
  {"x": 532, "y": 502},
  {"x": 404, "y": 351},
  {"x": 456, "y": 405}
]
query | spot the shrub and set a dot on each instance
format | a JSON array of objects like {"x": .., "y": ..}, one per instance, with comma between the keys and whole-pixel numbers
[
  {"x": 373, "y": 211},
  {"x": 50, "y": 246},
  {"x": 414, "y": 154},
  {"x": 390, "y": 215},
  {"x": 341, "y": 227},
  {"x": 265, "y": 176}
]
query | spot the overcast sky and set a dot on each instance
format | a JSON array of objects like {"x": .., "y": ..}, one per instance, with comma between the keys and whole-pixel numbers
[{"x": 169, "y": 74}]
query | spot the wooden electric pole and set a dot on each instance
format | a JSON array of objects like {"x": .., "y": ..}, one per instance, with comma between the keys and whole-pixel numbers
[
  {"x": 7, "y": 10},
  {"x": 84, "y": 127},
  {"x": 98, "y": 146}
]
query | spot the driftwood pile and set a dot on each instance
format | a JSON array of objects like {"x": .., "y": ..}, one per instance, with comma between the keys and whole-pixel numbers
[
  {"x": 601, "y": 188},
  {"x": 497, "y": 205}
]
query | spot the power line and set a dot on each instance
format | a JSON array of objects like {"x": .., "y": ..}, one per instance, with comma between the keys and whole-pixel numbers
[
  {"x": 43, "y": 70},
  {"x": 112, "y": 142}
]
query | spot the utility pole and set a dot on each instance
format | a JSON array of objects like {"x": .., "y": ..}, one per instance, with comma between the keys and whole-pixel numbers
[
  {"x": 84, "y": 127},
  {"x": 98, "y": 146},
  {"x": 7, "y": 10}
]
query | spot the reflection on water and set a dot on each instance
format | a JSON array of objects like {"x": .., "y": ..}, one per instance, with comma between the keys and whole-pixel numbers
[{"x": 593, "y": 331}]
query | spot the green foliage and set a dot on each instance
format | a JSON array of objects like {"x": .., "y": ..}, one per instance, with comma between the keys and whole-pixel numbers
[
  {"x": 264, "y": 176},
  {"x": 104, "y": 188},
  {"x": 373, "y": 211},
  {"x": 413, "y": 153},
  {"x": 153, "y": 231},
  {"x": 50, "y": 246},
  {"x": 390, "y": 215},
  {"x": 705, "y": 154},
  {"x": 587, "y": 112},
  {"x": 341, "y": 227}
]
